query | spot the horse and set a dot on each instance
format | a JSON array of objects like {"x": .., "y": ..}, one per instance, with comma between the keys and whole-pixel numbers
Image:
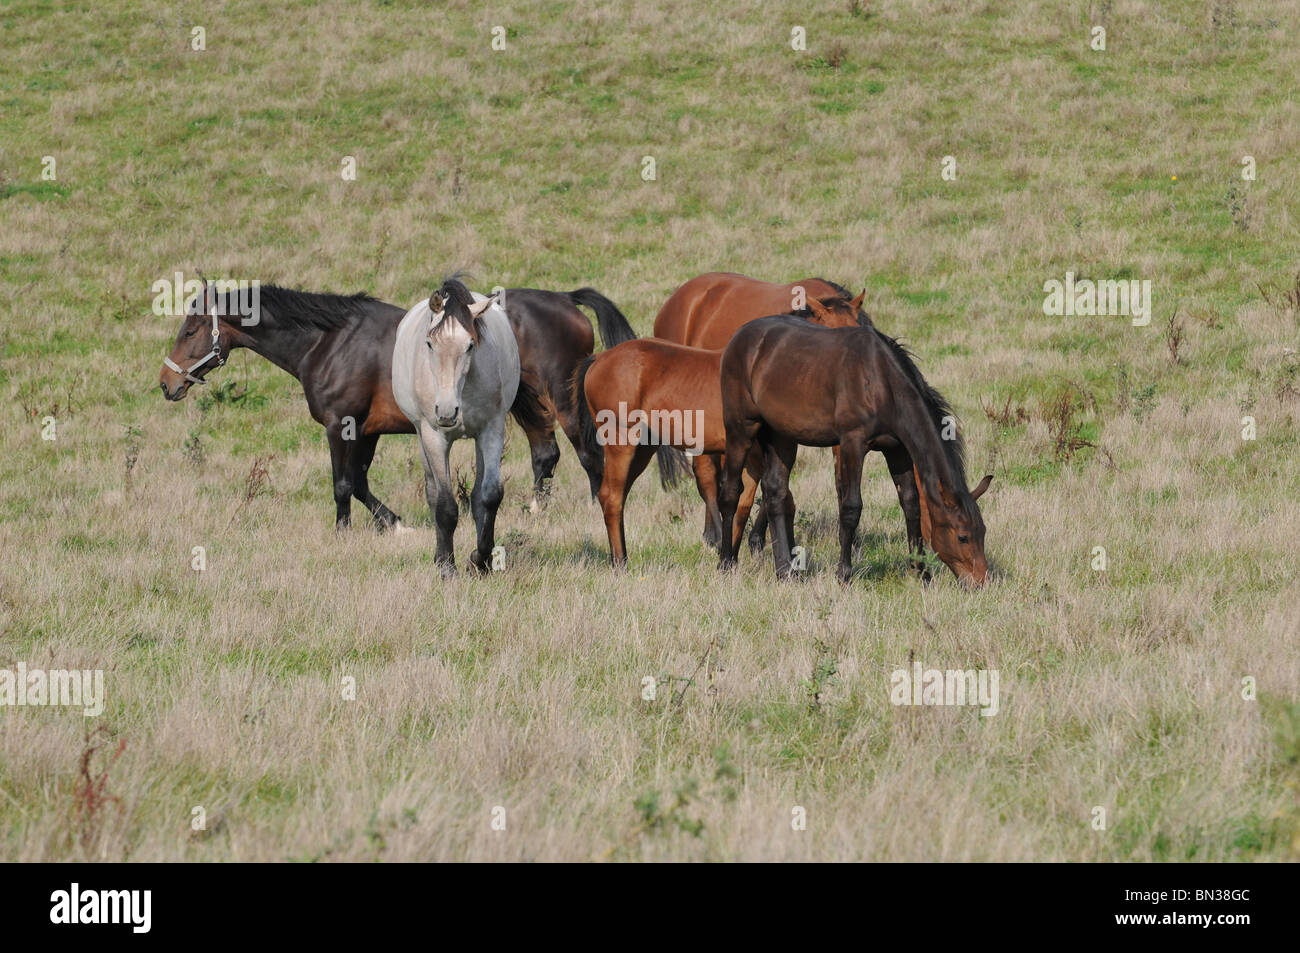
[
  {"x": 341, "y": 350},
  {"x": 640, "y": 398},
  {"x": 455, "y": 374},
  {"x": 709, "y": 309},
  {"x": 786, "y": 382}
]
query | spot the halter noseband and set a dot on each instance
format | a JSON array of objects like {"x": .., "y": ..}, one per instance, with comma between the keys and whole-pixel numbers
[{"x": 215, "y": 352}]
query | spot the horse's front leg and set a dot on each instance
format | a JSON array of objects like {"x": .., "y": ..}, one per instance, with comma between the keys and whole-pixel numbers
[
  {"x": 342, "y": 461},
  {"x": 909, "y": 499},
  {"x": 435, "y": 450},
  {"x": 488, "y": 491}
]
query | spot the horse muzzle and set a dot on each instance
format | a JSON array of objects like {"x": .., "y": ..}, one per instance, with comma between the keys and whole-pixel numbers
[{"x": 171, "y": 394}]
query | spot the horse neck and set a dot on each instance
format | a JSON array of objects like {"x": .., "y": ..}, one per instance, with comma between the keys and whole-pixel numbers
[
  {"x": 916, "y": 430},
  {"x": 281, "y": 342}
]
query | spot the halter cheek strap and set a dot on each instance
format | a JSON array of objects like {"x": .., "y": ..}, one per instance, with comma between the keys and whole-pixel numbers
[{"x": 215, "y": 352}]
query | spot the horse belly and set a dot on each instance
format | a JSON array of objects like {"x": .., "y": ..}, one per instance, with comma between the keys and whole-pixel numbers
[{"x": 385, "y": 416}]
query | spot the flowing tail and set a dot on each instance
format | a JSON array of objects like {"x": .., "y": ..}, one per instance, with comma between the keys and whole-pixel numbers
[
  {"x": 532, "y": 409},
  {"x": 614, "y": 328},
  {"x": 671, "y": 462}
]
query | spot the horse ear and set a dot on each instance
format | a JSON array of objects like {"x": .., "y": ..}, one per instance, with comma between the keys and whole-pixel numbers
[
  {"x": 819, "y": 310},
  {"x": 976, "y": 493},
  {"x": 436, "y": 303},
  {"x": 478, "y": 307},
  {"x": 856, "y": 303}
]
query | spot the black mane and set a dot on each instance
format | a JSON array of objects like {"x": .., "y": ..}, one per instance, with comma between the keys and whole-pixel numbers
[
  {"x": 935, "y": 402},
  {"x": 309, "y": 310},
  {"x": 456, "y": 300}
]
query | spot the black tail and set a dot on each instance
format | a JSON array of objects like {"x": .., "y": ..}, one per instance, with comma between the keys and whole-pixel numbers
[
  {"x": 673, "y": 466},
  {"x": 531, "y": 409},
  {"x": 586, "y": 422},
  {"x": 672, "y": 462},
  {"x": 614, "y": 328}
]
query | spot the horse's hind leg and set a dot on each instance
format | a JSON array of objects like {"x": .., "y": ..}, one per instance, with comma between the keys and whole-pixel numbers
[
  {"x": 741, "y": 436},
  {"x": 623, "y": 464},
  {"x": 435, "y": 451},
  {"x": 848, "y": 486},
  {"x": 545, "y": 452},
  {"x": 758, "y": 535},
  {"x": 488, "y": 491},
  {"x": 365, "y": 452},
  {"x": 748, "y": 490},
  {"x": 706, "y": 467},
  {"x": 778, "y": 460},
  {"x": 591, "y": 458}
]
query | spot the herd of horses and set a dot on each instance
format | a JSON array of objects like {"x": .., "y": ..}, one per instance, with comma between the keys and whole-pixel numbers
[{"x": 764, "y": 368}]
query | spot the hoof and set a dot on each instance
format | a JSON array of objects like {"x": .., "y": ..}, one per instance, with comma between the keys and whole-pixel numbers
[
  {"x": 447, "y": 570},
  {"x": 401, "y": 529},
  {"x": 757, "y": 543}
]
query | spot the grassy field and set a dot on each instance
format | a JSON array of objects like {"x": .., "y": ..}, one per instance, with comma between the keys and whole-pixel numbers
[{"x": 1121, "y": 688}]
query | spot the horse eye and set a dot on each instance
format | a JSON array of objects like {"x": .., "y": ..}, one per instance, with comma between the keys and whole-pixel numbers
[
  {"x": 428, "y": 344},
  {"x": 963, "y": 539},
  {"x": 190, "y": 332}
]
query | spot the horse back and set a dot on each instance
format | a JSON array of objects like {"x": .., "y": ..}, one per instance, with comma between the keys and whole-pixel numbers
[
  {"x": 650, "y": 374},
  {"x": 708, "y": 310},
  {"x": 800, "y": 379}
]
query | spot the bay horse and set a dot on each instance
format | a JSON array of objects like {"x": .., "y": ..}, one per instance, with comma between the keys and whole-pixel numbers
[
  {"x": 786, "y": 382},
  {"x": 709, "y": 309},
  {"x": 340, "y": 348},
  {"x": 455, "y": 374},
  {"x": 669, "y": 395}
]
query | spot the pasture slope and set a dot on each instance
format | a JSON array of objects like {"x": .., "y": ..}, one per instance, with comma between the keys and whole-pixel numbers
[{"x": 1120, "y": 688}]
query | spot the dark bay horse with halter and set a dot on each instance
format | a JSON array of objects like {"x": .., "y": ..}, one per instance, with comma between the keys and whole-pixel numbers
[
  {"x": 708, "y": 310},
  {"x": 341, "y": 350},
  {"x": 786, "y": 382},
  {"x": 644, "y": 396}
]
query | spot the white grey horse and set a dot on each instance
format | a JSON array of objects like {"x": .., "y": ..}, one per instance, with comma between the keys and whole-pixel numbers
[{"x": 456, "y": 374}]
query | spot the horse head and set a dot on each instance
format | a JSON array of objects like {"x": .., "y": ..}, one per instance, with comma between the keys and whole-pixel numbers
[
  {"x": 455, "y": 328},
  {"x": 954, "y": 530},
  {"x": 836, "y": 311},
  {"x": 202, "y": 342}
]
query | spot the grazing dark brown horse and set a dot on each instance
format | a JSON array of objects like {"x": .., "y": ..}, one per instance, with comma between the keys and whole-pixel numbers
[
  {"x": 341, "y": 350},
  {"x": 677, "y": 390},
  {"x": 707, "y": 311},
  {"x": 786, "y": 382}
]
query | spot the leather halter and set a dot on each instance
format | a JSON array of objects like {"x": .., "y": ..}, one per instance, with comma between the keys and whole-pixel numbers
[{"x": 215, "y": 352}]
